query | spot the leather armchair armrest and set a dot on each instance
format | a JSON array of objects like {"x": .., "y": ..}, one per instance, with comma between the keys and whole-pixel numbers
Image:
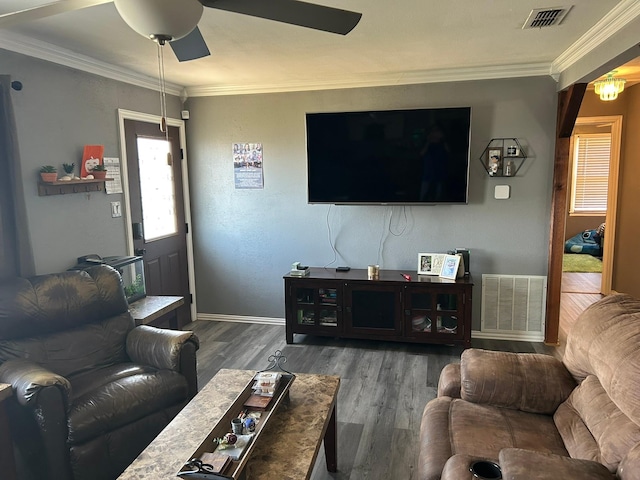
[
  {"x": 529, "y": 382},
  {"x": 158, "y": 347},
  {"x": 28, "y": 380},
  {"x": 450, "y": 383},
  {"x": 519, "y": 464}
]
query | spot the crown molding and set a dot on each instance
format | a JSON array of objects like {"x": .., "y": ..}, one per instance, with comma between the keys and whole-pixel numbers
[
  {"x": 619, "y": 17},
  {"x": 45, "y": 51},
  {"x": 381, "y": 80}
]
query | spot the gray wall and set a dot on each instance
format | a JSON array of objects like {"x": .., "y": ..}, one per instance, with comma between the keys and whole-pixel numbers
[
  {"x": 245, "y": 240},
  {"x": 58, "y": 111}
]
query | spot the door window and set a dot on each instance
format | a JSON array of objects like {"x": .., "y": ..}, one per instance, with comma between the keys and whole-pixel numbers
[{"x": 156, "y": 189}]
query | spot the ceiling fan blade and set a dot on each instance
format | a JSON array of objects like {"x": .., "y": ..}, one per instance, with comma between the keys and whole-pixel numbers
[
  {"x": 294, "y": 12},
  {"x": 190, "y": 47},
  {"x": 47, "y": 10}
]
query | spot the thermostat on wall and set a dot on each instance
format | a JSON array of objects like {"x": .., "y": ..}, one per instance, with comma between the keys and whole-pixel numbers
[{"x": 502, "y": 192}]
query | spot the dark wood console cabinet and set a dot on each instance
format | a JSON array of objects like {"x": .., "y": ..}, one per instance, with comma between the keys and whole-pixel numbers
[{"x": 424, "y": 309}]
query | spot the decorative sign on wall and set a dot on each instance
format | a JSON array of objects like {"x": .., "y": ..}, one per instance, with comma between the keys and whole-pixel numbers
[
  {"x": 91, "y": 156},
  {"x": 247, "y": 165}
]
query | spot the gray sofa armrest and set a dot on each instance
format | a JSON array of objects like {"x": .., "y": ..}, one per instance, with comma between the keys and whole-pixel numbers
[
  {"x": 28, "y": 379},
  {"x": 528, "y": 382},
  {"x": 158, "y": 347},
  {"x": 450, "y": 382},
  {"x": 519, "y": 464}
]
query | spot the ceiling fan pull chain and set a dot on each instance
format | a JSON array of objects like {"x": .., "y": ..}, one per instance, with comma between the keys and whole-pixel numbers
[
  {"x": 163, "y": 100},
  {"x": 163, "y": 111}
]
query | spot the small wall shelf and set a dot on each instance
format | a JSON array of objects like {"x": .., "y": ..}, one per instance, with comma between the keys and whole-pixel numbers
[
  {"x": 71, "y": 186},
  {"x": 503, "y": 157}
]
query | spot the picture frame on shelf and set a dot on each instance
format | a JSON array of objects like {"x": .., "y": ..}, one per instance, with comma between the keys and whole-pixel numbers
[
  {"x": 91, "y": 156},
  {"x": 430, "y": 263},
  {"x": 513, "y": 150},
  {"x": 494, "y": 160},
  {"x": 450, "y": 266}
]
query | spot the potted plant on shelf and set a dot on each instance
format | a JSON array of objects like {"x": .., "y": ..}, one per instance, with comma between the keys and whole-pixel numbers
[
  {"x": 48, "y": 173},
  {"x": 99, "y": 172}
]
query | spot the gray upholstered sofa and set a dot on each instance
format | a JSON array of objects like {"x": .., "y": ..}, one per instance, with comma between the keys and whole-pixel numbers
[
  {"x": 541, "y": 418},
  {"x": 91, "y": 390}
]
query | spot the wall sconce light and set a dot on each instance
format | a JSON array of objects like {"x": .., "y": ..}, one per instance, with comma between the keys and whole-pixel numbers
[{"x": 610, "y": 87}]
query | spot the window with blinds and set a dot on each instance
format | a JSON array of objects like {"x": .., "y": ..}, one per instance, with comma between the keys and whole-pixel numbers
[{"x": 590, "y": 180}]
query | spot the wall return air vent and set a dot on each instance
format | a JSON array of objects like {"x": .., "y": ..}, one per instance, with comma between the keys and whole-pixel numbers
[{"x": 546, "y": 17}]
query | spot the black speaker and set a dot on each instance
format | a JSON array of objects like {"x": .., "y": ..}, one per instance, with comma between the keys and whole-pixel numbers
[{"x": 465, "y": 256}]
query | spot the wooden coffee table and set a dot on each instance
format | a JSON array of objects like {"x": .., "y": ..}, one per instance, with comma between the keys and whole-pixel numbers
[{"x": 287, "y": 447}]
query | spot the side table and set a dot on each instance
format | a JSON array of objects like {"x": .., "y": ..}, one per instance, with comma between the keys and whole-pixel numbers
[
  {"x": 7, "y": 462},
  {"x": 150, "y": 308}
]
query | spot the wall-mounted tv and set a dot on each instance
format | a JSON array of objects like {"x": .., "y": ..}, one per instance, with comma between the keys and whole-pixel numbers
[{"x": 418, "y": 156}]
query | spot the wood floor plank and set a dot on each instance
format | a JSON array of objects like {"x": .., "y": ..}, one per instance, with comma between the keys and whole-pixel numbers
[
  {"x": 384, "y": 387},
  {"x": 352, "y": 433}
]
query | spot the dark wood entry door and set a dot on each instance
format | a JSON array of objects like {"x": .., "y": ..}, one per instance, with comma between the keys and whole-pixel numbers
[{"x": 157, "y": 210}]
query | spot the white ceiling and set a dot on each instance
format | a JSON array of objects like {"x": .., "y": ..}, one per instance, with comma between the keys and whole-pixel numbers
[{"x": 399, "y": 42}]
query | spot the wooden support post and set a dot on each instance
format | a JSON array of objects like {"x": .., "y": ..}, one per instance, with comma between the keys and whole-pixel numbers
[{"x": 569, "y": 102}]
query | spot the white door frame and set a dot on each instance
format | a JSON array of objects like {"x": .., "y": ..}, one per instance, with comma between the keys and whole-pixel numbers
[
  {"x": 128, "y": 229},
  {"x": 615, "y": 122}
]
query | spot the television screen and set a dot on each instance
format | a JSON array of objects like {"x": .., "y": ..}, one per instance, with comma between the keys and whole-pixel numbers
[{"x": 389, "y": 157}]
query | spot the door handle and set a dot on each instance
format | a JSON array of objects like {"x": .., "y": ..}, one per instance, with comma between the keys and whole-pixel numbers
[{"x": 140, "y": 251}]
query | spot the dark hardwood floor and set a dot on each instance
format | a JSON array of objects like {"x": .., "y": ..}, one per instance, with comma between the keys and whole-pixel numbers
[{"x": 384, "y": 387}]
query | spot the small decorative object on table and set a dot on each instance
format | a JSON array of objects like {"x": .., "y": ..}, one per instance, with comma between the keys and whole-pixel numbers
[
  {"x": 298, "y": 270},
  {"x": 224, "y": 454},
  {"x": 373, "y": 272}
]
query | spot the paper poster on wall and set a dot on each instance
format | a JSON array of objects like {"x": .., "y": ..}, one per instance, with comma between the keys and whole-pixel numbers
[
  {"x": 113, "y": 171},
  {"x": 247, "y": 166}
]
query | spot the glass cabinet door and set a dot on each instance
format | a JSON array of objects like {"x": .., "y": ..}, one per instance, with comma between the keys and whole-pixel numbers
[
  {"x": 420, "y": 312},
  {"x": 447, "y": 313},
  {"x": 316, "y": 307},
  {"x": 432, "y": 313},
  {"x": 373, "y": 309}
]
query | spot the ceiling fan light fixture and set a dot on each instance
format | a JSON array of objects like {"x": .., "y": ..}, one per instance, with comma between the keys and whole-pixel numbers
[
  {"x": 161, "y": 20},
  {"x": 609, "y": 88}
]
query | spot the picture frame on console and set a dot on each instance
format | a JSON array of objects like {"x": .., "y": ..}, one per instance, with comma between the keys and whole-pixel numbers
[
  {"x": 430, "y": 263},
  {"x": 450, "y": 266}
]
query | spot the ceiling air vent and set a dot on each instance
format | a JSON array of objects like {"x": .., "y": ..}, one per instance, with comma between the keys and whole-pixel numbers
[{"x": 546, "y": 17}]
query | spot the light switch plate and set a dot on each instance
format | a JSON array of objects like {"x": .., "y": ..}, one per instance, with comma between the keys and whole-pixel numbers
[
  {"x": 502, "y": 192},
  {"x": 115, "y": 210}
]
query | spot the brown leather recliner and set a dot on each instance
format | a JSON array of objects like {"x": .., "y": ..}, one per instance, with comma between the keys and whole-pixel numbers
[{"x": 91, "y": 390}]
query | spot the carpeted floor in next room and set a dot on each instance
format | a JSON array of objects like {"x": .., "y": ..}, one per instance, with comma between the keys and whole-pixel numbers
[
  {"x": 582, "y": 263},
  {"x": 384, "y": 387}
]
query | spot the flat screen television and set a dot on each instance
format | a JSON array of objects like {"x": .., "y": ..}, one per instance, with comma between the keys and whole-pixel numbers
[{"x": 418, "y": 156}]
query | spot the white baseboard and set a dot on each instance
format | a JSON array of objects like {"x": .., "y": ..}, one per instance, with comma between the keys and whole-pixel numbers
[
  {"x": 516, "y": 337},
  {"x": 218, "y": 317}
]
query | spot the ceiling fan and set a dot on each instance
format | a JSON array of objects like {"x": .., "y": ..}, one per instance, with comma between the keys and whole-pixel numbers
[{"x": 175, "y": 21}]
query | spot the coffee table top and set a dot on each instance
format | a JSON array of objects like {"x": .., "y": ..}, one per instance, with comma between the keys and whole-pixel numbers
[{"x": 287, "y": 447}]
